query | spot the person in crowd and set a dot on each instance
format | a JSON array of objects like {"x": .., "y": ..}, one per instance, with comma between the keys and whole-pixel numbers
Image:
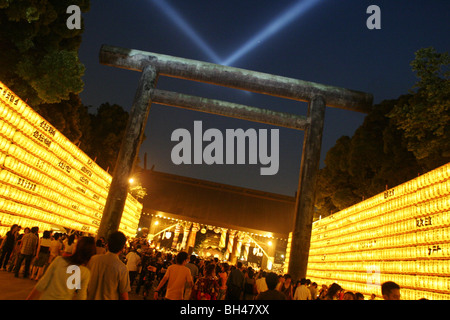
[
  {"x": 261, "y": 284},
  {"x": 109, "y": 276},
  {"x": 206, "y": 287},
  {"x": 302, "y": 292},
  {"x": 69, "y": 245},
  {"x": 176, "y": 277},
  {"x": 8, "y": 244},
  {"x": 59, "y": 282},
  {"x": 194, "y": 273},
  {"x": 133, "y": 264},
  {"x": 250, "y": 285},
  {"x": 223, "y": 277},
  {"x": 333, "y": 292},
  {"x": 359, "y": 296},
  {"x": 373, "y": 296},
  {"x": 348, "y": 295},
  {"x": 390, "y": 291},
  {"x": 313, "y": 289},
  {"x": 235, "y": 283},
  {"x": 322, "y": 292},
  {"x": 271, "y": 293},
  {"x": 100, "y": 247},
  {"x": 287, "y": 287},
  {"x": 16, "y": 251},
  {"x": 55, "y": 247},
  {"x": 28, "y": 249},
  {"x": 43, "y": 255}
]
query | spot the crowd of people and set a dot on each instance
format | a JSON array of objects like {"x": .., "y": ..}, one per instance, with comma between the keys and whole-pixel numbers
[{"x": 109, "y": 270}]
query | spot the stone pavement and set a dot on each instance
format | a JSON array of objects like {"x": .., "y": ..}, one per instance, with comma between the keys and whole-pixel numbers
[{"x": 12, "y": 288}]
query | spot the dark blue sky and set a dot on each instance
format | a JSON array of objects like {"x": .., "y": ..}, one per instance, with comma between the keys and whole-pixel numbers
[{"x": 329, "y": 44}]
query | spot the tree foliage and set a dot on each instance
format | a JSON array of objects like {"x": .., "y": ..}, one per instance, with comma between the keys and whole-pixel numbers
[
  {"x": 398, "y": 140},
  {"x": 425, "y": 118},
  {"x": 103, "y": 134},
  {"x": 39, "y": 60}
]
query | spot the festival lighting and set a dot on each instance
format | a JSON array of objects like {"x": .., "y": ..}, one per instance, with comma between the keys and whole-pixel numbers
[
  {"x": 295, "y": 11},
  {"x": 288, "y": 16},
  {"x": 401, "y": 235},
  {"x": 46, "y": 180},
  {"x": 186, "y": 28}
]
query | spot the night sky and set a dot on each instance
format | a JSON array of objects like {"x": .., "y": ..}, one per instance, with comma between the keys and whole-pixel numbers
[{"x": 324, "y": 41}]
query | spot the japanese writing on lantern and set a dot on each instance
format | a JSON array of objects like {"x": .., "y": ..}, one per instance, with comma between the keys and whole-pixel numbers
[
  {"x": 42, "y": 138},
  {"x": 8, "y": 96},
  {"x": 433, "y": 249},
  {"x": 423, "y": 222},
  {"x": 48, "y": 128}
]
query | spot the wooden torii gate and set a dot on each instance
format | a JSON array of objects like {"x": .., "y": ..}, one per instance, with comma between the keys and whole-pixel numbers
[{"x": 318, "y": 96}]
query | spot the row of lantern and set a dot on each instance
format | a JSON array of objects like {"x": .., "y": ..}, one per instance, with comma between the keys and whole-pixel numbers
[
  {"x": 395, "y": 210},
  {"x": 432, "y": 250},
  {"x": 9, "y": 109},
  {"x": 430, "y": 229},
  {"x": 71, "y": 156},
  {"x": 407, "y": 292},
  {"x": 32, "y": 164},
  {"x": 50, "y": 161},
  {"x": 415, "y": 267},
  {"x": 432, "y": 184},
  {"x": 56, "y": 190},
  {"x": 7, "y": 220},
  {"x": 20, "y": 124}
]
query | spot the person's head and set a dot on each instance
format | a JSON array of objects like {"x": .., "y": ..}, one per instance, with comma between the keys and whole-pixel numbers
[
  {"x": 333, "y": 290},
  {"x": 192, "y": 258},
  {"x": 182, "y": 257},
  {"x": 271, "y": 280},
  {"x": 99, "y": 243},
  {"x": 210, "y": 269},
  {"x": 14, "y": 227},
  {"x": 390, "y": 291},
  {"x": 83, "y": 252},
  {"x": 46, "y": 234},
  {"x": 116, "y": 242},
  {"x": 239, "y": 265},
  {"x": 35, "y": 230},
  {"x": 225, "y": 267},
  {"x": 314, "y": 285},
  {"x": 287, "y": 278},
  {"x": 359, "y": 296},
  {"x": 349, "y": 296},
  {"x": 71, "y": 239},
  {"x": 303, "y": 281}
]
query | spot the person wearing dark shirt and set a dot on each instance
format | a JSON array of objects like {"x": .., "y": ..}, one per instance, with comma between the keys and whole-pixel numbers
[
  {"x": 271, "y": 294},
  {"x": 235, "y": 283}
]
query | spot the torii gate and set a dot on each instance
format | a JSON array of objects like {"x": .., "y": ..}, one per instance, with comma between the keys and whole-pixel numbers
[{"x": 318, "y": 96}]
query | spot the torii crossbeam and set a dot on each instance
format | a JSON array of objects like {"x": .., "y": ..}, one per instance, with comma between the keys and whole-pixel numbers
[{"x": 318, "y": 96}]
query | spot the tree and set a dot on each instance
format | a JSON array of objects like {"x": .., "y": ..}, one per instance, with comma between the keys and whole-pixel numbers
[
  {"x": 398, "y": 140},
  {"x": 374, "y": 159},
  {"x": 425, "y": 118},
  {"x": 39, "y": 60},
  {"x": 103, "y": 137}
]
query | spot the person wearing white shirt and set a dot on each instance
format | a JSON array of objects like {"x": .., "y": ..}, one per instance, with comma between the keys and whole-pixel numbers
[
  {"x": 302, "y": 292},
  {"x": 133, "y": 262},
  {"x": 261, "y": 285}
]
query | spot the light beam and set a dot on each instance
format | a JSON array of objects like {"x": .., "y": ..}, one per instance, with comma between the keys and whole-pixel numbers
[
  {"x": 187, "y": 29},
  {"x": 278, "y": 24}
]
